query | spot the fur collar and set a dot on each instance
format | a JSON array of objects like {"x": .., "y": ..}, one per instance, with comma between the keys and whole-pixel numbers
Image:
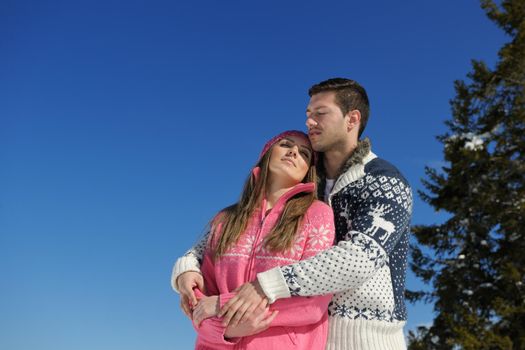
[{"x": 356, "y": 157}]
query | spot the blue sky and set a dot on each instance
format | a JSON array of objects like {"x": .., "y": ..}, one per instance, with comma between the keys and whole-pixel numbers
[{"x": 125, "y": 125}]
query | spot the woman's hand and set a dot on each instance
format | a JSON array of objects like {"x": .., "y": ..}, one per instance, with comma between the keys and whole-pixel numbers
[
  {"x": 186, "y": 282},
  {"x": 206, "y": 307}
]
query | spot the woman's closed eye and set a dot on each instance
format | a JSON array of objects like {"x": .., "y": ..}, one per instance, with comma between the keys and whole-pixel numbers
[{"x": 306, "y": 154}]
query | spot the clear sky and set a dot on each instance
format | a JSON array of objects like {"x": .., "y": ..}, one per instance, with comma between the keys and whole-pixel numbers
[{"x": 125, "y": 125}]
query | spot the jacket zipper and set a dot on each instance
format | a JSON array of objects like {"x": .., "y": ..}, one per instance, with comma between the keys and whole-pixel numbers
[
  {"x": 251, "y": 263},
  {"x": 248, "y": 274}
]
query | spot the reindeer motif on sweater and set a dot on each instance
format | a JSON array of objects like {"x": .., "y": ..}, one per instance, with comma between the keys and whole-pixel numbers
[{"x": 378, "y": 212}]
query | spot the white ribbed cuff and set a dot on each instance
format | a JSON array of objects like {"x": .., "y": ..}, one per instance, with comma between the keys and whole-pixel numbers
[
  {"x": 183, "y": 264},
  {"x": 273, "y": 284},
  {"x": 362, "y": 334}
]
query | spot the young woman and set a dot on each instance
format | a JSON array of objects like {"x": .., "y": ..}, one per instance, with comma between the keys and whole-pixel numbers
[{"x": 277, "y": 221}]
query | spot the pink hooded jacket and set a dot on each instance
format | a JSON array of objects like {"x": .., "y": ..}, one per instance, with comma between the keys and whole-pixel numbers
[{"x": 302, "y": 322}]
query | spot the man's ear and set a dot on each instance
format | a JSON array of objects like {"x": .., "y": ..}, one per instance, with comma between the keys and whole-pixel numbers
[{"x": 353, "y": 119}]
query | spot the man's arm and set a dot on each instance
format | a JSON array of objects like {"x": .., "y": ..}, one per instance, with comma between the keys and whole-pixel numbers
[
  {"x": 186, "y": 275},
  {"x": 377, "y": 225},
  {"x": 190, "y": 261},
  {"x": 356, "y": 258}
]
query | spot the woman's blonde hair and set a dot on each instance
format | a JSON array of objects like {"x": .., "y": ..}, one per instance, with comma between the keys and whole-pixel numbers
[{"x": 232, "y": 221}]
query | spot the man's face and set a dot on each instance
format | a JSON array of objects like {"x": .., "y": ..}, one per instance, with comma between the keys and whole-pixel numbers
[{"x": 325, "y": 122}]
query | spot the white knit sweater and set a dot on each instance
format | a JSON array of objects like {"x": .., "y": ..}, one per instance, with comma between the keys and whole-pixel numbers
[{"x": 366, "y": 270}]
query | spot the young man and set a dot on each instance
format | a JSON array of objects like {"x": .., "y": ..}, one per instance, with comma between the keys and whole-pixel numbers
[{"x": 372, "y": 204}]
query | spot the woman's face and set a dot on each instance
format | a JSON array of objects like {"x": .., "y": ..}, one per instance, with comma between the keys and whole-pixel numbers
[{"x": 290, "y": 159}]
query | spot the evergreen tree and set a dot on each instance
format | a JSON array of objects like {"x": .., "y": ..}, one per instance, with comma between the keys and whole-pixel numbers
[{"x": 475, "y": 261}]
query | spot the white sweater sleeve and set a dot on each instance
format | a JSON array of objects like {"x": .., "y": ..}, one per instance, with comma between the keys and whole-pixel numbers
[
  {"x": 359, "y": 254},
  {"x": 190, "y": 261}
]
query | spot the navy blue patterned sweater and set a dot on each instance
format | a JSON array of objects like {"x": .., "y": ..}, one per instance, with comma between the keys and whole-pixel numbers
[{"x": 366, "y": 269}]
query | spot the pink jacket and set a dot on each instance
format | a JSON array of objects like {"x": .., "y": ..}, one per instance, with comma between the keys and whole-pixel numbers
[{"x": 302, "y": 322}]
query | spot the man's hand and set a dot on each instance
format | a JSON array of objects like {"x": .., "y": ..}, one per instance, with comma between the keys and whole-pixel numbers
[
  {"x": 256, "y": 322},
  {"x": 249, "y": 296},
  {"x": 186, "y": 282},
  {"x": 206, "y": 307}
]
